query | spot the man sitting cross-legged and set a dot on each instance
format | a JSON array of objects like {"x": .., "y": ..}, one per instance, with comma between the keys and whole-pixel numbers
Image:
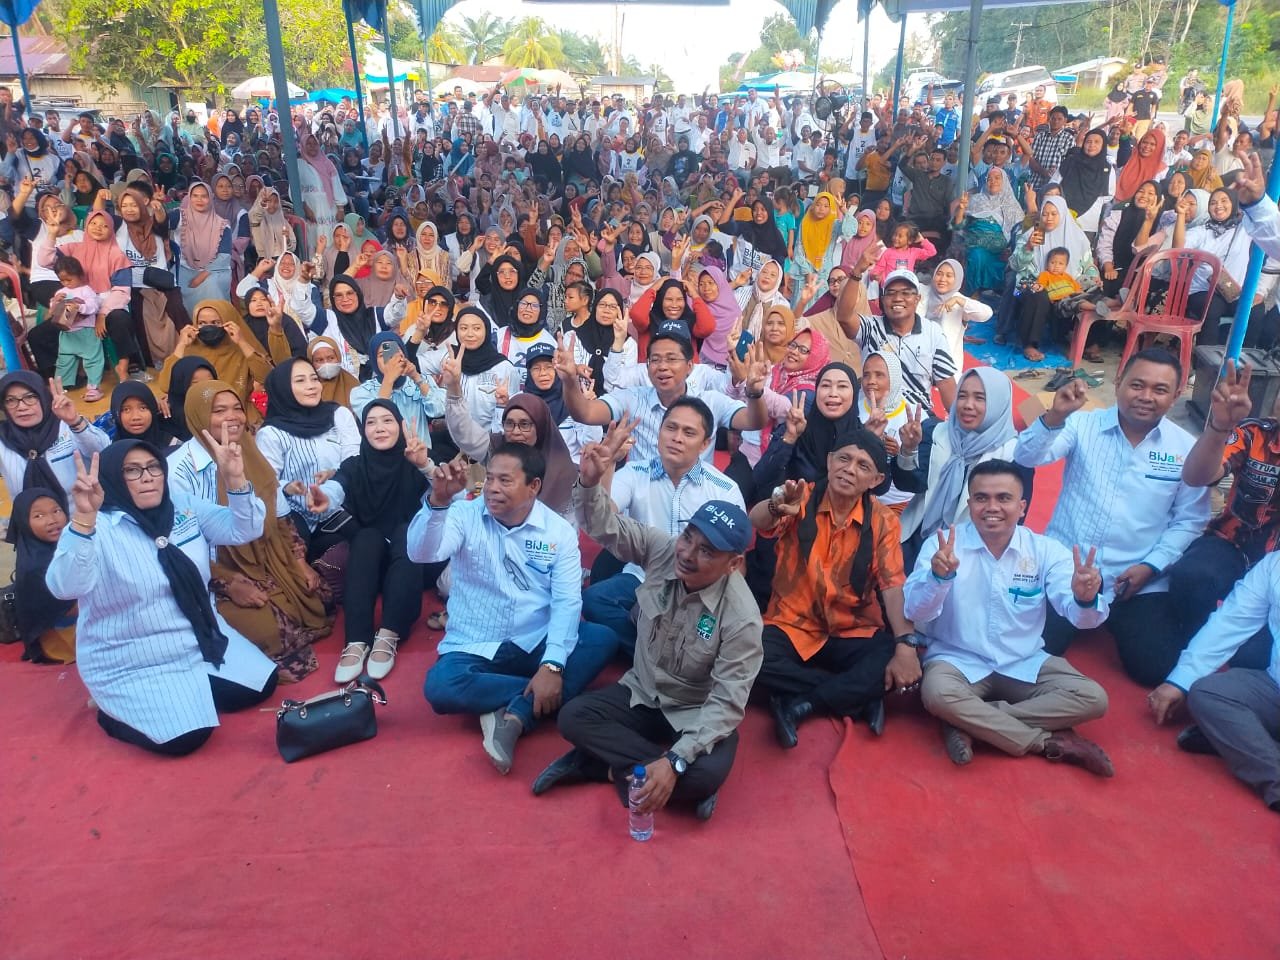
[
  {"x": 980, "y": 601},
  {"x": 677, "y": 710}
]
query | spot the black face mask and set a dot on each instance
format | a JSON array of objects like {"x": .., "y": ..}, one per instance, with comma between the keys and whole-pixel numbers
[{"x": 210, "y": 334}]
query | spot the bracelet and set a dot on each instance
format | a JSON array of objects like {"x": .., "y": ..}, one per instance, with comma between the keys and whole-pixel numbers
[
  {"x": 753, "y": 396},
  {"x": 83, "y": 526},
  {"x": 773, "y": 508},
  {"x": 81, "y": 425},
  {"x": 1214, "y": 427}
]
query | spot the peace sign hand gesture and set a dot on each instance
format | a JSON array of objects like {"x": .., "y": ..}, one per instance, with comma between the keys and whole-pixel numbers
[
  {"x": 566, "y": 365},
  {"x": 229, "y": 458},
  {"x": 1087, "y": 579},
  {"x": 87, "y": 493},
  {"x": 62, "y": 406},
  {"x": 877, "y": 421},
  {"x": 451, "y": 372},
  {"x": 788, "y": 505},
  {"x": 1231, "y": 402},
  {"x": 415, "y": 451},
  {"x": 912, "y": 432},
  {"x": 944, "y": 563},
  {"x": 796, "y": 421},
  {"x": 502, "y": 391}
]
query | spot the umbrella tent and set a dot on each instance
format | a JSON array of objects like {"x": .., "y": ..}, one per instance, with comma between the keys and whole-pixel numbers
[
  {"x": 330, "y": 95},
  {"x": 256, "y": 88},
  {"x": 786, "y": 80}
]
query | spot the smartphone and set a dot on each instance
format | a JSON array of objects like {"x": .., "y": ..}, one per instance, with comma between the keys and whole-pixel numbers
[{"x": 388, "y": 350}]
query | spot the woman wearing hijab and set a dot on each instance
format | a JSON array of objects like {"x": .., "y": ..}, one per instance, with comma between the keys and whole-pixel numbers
[
  {"x": 528, "y": 327},
  {"x": 225, "y": 203},
  {"x": 499, "y": 285},
  {"x": 979, "y": 427},
  {"x": 883, "y": 410},
  {"x": 32, "y": 157},
  {"x": 670, "y": 300},
  {"x": 716, "y": 292},
  {"x": 1056, "y": 229},
  {"x": 601, "y": 343},
  {"x": 1222, "y": 235},
  {"x": 265, "y": 588},
  {"x": 1145, "y": 163},
  {"x": 946, "y": 305},
  {"x": 419, "y": 398},
  {"x": 136, "y": 416},
  {"x": 804, "y": 353},
  {"x": 1087, "y": 177},
  {"x": 761, "y": 232},
  {"x": 157, "y": 660},
  {"x": 183, "y": 374},
  {"x": 379, "y": 286},
  {"x": 989, "y": 216},
  {"x": 817, "y": 249},
  {"x": 351, "y": 324},
  {"x": 271, "y": 233},
  {"x": 381, "y": 490},
  {"x": 864, "y": 237},
  {"x": 336, "y": 382},
  {"x": 541, "y": 381},
  {"x": 42, "y": 435},
  {"x": 1118, "y": 238},
  {"x": 204, "y": 241},
  {"x": 322, "y": 195},
  {"x": 478, "y": 365},
  {"x": 46, "y": 625},
  {"x": 757, "y": 297},
  {"x": 432, "y": 257},
  {"x": 303, "y": 438},
  {"x": 279, "y": 332},
  {"x": 219, "y": 335}
]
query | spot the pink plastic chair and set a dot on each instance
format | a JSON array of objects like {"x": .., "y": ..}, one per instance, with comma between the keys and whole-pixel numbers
[
  {"x": 7, "y": 272},
  {"x": 1174, "y": 320},
  {"x": 1088, "y": 315}
]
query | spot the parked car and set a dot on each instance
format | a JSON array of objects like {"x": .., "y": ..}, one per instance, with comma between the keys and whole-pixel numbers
[{"x": 1022, "y": 81}]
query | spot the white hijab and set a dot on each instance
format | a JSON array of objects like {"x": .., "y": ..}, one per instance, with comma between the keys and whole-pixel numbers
[{"x": 1067, "y": 234}]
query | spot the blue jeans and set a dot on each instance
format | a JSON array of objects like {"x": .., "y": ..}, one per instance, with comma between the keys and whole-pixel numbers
[
  {"x": 467, "y": 683},
  {"x": 609, "y": 603}
]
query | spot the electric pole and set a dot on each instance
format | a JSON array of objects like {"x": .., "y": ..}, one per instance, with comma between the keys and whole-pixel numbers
[{"x": 1017, "y": 48}]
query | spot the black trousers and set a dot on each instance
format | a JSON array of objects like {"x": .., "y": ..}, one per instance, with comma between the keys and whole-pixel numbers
[
  {"x": 228, "y": 697},
  {"x": 840, "y": 679},
  {"x": 1200, "y": 579},
  {"x": 1262, "y": 325},
  {"x": 43, "y": 340},
  {"x": 1035, "y": 310},
  {"x": 376, "y": 566},
  {"x": 604, "y": 724},
  {"x": 1148, "y": 635}
]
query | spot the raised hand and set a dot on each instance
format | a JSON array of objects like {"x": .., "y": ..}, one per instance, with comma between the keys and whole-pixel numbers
[
  {"x": 792, "y": 495},
  {"x": 566, "y": 365},
  {"x": 447, "y": 481},
  {"x": 228, "y": 456},
  {"x": 944, "y": 563},
  {"x": 87, "y": 493},
  {"x": 912, "y": 432},
  {"x": 502, "y": 391},
  {"x": 868, "y": 258},
  {"x": 757, "y": 370},
  {"x": 62, "y": 406},
  {"x": 1087, "y": 579},
  {"x": 1251, "y": 182},
  {"x": 1231, "y": 402},
  {"x": 877, "y": 420},
  {"x": 1069, "y": 398},
  {"x": 451, "y": 372},
  {"x": 415, "y": 451},
  {"x": 317, "y": 500},
  {"x": 796, "y": 421},
  {"x": 233, "y": 333}
]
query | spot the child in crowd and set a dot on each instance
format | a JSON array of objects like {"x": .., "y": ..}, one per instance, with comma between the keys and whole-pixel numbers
[
  {"x": 74, "y": 309},
  {"x": 787, "y": 216},
  {"x": 906, "y": 249},
  {"x": 1054, "y": 279}
]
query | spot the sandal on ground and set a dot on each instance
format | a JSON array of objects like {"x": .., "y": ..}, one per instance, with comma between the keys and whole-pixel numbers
[
  {"x": 351, "y": 662},
  {"x": 92, "y": 394},
  {"x": 438, "y": 620},
  {"x": 382, "y": 658},
  {"x": 1032, "y": 354},
  {"x": 969, "y": 339}
]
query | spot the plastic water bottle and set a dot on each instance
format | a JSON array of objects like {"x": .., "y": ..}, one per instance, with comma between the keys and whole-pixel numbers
[{"x": 641, "y": 823}]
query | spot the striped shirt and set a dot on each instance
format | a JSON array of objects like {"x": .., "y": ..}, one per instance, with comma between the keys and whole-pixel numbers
[
  {"x": 925, "y": 357},
  {"x": 301, "y": 458},
  {"x": 135, "y": 649},
  {"x": 643, "y": 402},
  {"x": 518, "y": 585},
  {"x": 1129, "y": 502},
  {"x": 193, "y": 471},
  {"x": 643, "y": 491}
]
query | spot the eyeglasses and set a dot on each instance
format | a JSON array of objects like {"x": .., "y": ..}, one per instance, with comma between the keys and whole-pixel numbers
[
  {"x": 900, "y": 294},
  {"x": 25, "y": 400},
  {"x": 518, "y": 426},
  {"x": 528, "y": 305},
  {"x": 799, "y": 348},
  {"x": 437, "y": 302},
  {"x": 670, "y": 360},
  {"x": 134, "y": 471}
]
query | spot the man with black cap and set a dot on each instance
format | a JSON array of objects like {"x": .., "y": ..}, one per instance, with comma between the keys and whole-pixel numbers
[
  {"x": 677, "y": 710},
  {"x": 827, "y": 649}
]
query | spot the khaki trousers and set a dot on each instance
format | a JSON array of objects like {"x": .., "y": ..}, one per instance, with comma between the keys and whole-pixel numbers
[{"x": 1012, "y": 715}]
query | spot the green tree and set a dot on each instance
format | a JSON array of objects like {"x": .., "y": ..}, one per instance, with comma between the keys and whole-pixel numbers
[
  {"x": 583, "y": 54},
  {"x": 532, "y": 44},
  {"x": 483, "y": 37}
]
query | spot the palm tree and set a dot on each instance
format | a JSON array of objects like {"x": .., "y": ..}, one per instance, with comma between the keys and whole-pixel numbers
[
  {"x": 583, "y": 54},
  {"x": 444, "y": 46},
  {"x": 483, "y": 37},
  {"x": 531, "y": 44}
]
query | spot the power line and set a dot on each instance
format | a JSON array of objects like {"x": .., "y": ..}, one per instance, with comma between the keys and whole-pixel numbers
[{"x": 1017, "y": 49}]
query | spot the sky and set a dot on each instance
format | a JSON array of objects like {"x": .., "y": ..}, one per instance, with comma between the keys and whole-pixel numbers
[{"x": 704, "y": 37}]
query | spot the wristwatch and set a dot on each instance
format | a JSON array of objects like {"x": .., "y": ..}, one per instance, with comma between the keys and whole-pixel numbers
[
  {"x": 678, "y": 763},
  {"x": 553, "y": 667},
  {"x": 913, "y": 640}
]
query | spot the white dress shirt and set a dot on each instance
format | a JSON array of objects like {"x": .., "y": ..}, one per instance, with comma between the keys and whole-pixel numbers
[
  {"x": 301, "y": 458},
  {"x": 135, "y": 649},
  {"x": 989, "y": 618},
  {"x": 643, "y": 491},
  {"x": 1129, "y": 502},
  {"x": 643, "y": 402},
  {"x": 518, "y": 585},
  {"x": 1253, "y": 603},
  {"x": 60, "y": 456}
]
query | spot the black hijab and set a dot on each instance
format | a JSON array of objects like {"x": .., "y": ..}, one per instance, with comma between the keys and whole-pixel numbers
[
  {"x": 484, "y": 357},
  {"x": 820, "y": 433},
  {"x": 32, "y": 442},
  {"x": 156, "y": 435},
  {"x": 356, "y": 327},
  {"x": 37, "y": 610},
  {"x": 179, "y": 383},
  {"x": 1085, "y": 178},
  {"x": 189, "y": 587},
  {"x": 597, "y": 338},
  {"x": 764, "y": 237},
  {"x": 284, "y": 412},
  {"x": 383, "y": 489},
  {"x": 527, "y": 330},
  {"x": 502, "y": 303},
  {"x": 261, "y": 327},
  {"x": 553, "y": 396},
  {"x": 1132, "y": 218}
]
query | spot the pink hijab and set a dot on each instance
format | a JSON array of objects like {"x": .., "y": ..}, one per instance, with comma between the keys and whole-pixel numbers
[
  {"x": 724, "y": 308},
  {"x": 322, "y": 165},
  {"x": 856, "y": 245},
  {"x": 200, "y": 234},
  {"x": 806, "y": 378}
]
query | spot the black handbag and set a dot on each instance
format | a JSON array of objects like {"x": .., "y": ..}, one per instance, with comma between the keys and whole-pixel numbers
[
  {"x": 329, "y": 721},
  {"x": 158, "y": 278},
  {"x": 9, "y": 614}
]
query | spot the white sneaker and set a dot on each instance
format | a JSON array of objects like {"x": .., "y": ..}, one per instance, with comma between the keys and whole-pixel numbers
[{"x": 351, "y": 662}]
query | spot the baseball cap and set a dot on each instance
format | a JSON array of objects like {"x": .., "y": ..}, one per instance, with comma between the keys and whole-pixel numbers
[
  {"x": 539, "y": 351},
  {"x": 671, "y": 330},
  {"x": 724, "y": 524},
  {"x": 906, "y": 275}
]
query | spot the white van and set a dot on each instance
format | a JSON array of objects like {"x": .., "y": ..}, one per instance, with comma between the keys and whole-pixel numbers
[{"x": 1022, "y": 81}]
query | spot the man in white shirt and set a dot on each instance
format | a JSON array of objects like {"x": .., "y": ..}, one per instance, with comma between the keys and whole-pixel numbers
[
  {"x": 860, "y": 141},
  {"x": 662, "y": 492},
  {"x": 533, "y": 117},
  {"x": 700, "y": 134},
  {"x": 1234, "y": 710},
  {"x": 753, "y": 110},
  {"x": 980, "y": 602},
  {"x": 513, "y": 650},
  {"x": 1123, "y": 492},
  {"x": 742, "y": 156},
  {"x": 679, "y": 116}
]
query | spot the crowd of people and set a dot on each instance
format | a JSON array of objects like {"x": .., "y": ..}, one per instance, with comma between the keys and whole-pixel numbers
[{"x": 692, "y": 332}]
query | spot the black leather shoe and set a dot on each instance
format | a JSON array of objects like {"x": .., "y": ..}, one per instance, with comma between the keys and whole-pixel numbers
[
  {"x": 622, "y": 786},
  {"x": 707, "y": 807},
  {"x": 874, "y": 715},
  {"x": 1193, "y": 740},
  {"x": 574, "y": 767},
  {"x": 788, "y": 713}
]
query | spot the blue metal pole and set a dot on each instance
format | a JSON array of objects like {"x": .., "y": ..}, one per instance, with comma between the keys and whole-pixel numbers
[
  {"x": 1222, "y": 64},
  {"x": 1249, "y": 286},
  {"x": 355, "y": 77},
  {"x": 22, "y": 77},
  {"x": 897, "y": 76},
  {"x": 391, "y": 69},
  {"x": 288, "y": 146}
]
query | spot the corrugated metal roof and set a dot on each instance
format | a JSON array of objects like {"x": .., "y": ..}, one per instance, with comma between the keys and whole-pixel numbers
[{"x": 41, "y": 56}]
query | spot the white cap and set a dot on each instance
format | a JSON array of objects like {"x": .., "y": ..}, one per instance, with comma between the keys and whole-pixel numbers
[{"x": 907, "y": 275}]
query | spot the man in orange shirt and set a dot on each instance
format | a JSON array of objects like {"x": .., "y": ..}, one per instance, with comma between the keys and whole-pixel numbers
[
  {"x": 827, "y": 649},
  {"x": 1035, "y": 112}
]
